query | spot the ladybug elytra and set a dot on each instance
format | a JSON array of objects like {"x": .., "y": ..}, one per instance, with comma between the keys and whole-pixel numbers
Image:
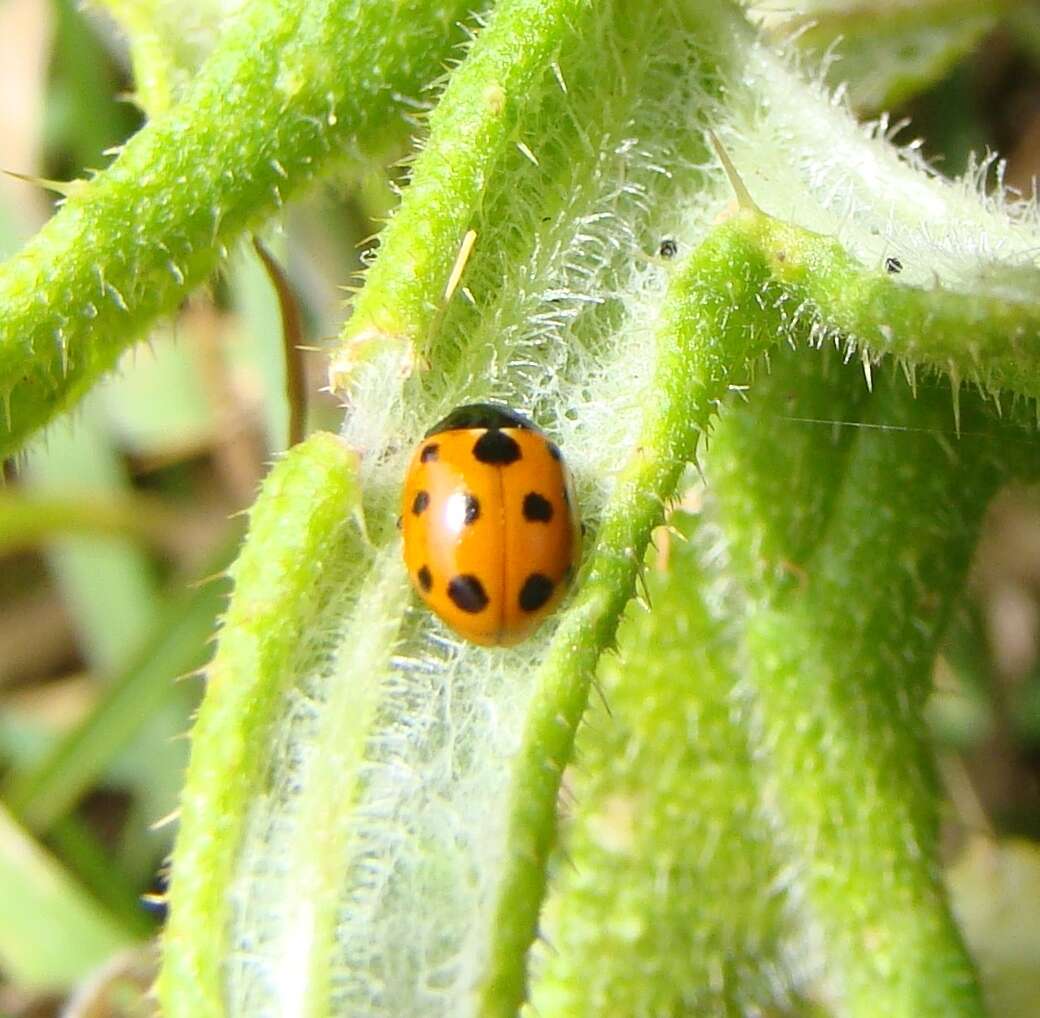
[{"x": 491, "y": 530}]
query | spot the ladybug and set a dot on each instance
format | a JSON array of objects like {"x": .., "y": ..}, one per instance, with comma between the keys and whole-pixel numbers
[{"x": 491, "y": 529}]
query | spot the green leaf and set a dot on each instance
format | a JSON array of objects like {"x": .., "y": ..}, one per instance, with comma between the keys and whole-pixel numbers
[
  {"x": 884, "y": 53},
  {"x": 666, "y": 859},
  {"x": 995, "y": 889},
  {"x": 385, "y": 844},
  {"x": 27, "y": 519},
  {"x": 107, "y": 583},
  {"x": 179, "y": 643},
  {"x": 39, "y": 901},
  {"x": 840, "y": 665},
  {"x": 156, "y": 403}
]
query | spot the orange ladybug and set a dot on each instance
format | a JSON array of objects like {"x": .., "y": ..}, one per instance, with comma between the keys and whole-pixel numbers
[{"x": 491, "y": 529}]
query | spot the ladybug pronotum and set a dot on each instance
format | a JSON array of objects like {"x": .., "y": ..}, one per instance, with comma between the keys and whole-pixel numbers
[{"x": 491, "y": 529}]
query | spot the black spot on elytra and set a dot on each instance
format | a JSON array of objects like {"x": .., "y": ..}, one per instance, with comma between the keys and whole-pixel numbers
[
  {"x": 420, "y": 502},
  {"x": 536, "y": 508},
  {"x": 429, "y": 452},
  {"x": 893, "y": 265},
  {"x": 468, "y": 593},
  {"x": 554, "y": 450},
  {"x": 472, "y": 513},
  {"x": 537, "y": 589},
  {"x": 496, "y": 448},
  {"x": 424, "y": 578},
  {"x": 668, "y": 248}
]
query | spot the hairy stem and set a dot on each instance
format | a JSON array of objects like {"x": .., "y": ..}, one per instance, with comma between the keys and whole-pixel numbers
[
  {"x": 480, "y": 118},
  {"x": 300, "y": 528},
  {"x": 289, "y": 89},
  {"x": 704, "y": 347},
  {"x": 985, "y": 337}
]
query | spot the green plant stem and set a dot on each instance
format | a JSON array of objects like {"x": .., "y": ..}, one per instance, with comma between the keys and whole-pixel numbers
[
  {"x": 842, "y": 634},
  {"x": 979, "y": 337},
  {"x": 714, "y": 332},
  {"x": 300, "y": 526},
  {"x": 850, "y": 546},
  {"x": 151, "y": 56},
  {"x": 841, "y": 667},
  {"x": 288, "y": 88},
  {"x": 667, "y": 860},
  {"x": 340, "y": 747},
  {"x": 479, "y": 119},
  {"x": 704, "y": 347},
  {"x": 671, "y": 860}
]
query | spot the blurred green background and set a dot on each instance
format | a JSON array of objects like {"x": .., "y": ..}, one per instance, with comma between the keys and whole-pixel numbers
[{"x": 115, "y": 530}]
